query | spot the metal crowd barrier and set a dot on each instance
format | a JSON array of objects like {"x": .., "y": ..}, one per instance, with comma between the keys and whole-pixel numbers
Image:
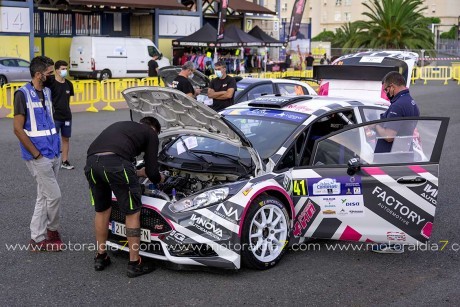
[
  {"x": 436, "y": 73},
  {"x": 8, "y": 95},
  {"x": 111, "y": 90},
  {"x": 86, "y": 92}
]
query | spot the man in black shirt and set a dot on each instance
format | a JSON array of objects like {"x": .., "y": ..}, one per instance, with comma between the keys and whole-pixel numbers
[
  {"x": 182, "y": 82},
  {"x": 222, "y": 89},
  {"x": 61, "y": 90},
  {"x": 309, "y": 61},
  {"x": 153, "y": 66},
  {"x": 109, "y": 168}
]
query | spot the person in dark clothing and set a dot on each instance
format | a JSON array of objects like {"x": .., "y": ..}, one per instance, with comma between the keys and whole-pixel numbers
[
  {"x": 61, "y": 91},
  {"x": 402, "y": 105},
  {"x": 153, "y": 66},
  {"x": 309, "y": 61},
  {"x": 182, "y": 82},
  {"x": 221, "y": 89},
  {"x": 110, "y": 168}
]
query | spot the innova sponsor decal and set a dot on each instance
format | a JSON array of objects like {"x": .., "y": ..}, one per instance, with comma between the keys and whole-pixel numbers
[
  {"x": 206, "y": 226},
  {"x": 428, "y": 191},
  {"x": 229, "y": 213}
]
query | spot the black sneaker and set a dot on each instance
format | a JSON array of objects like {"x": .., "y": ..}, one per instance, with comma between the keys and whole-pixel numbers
[
  {"x": 101, "y": 262},
  {"x": 67, "y": 165},
  {"x": 140, "y": 268}
]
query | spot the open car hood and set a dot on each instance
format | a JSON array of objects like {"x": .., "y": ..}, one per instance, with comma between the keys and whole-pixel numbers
[
  {"x": 180, "y": 114},
  {"x": 169, "y": 73}
]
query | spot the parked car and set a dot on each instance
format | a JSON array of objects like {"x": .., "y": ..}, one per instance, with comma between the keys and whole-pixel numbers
[
  {"x": 13, "y": 69},
  {"x": 244, "y": 184},
  {"x": 247, "y": 88}
]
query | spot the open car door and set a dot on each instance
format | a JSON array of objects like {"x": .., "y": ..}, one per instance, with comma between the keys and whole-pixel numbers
[{"x": 369, "y": 195}]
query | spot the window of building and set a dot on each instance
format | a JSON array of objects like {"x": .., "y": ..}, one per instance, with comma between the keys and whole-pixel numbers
[
  {"x": 117, "y": 25},
  {"x": 337, "y": 16},
  {"x": 338, "y": 2},
  {"x": 284, "y": 7},
  {"x": 54, "y": 23},
  {"x": 87, "y": 24},
  {"x": 347, "y": 16},
  {"x": 324, "y": 17},
  {"x": 347, "y": 2}
]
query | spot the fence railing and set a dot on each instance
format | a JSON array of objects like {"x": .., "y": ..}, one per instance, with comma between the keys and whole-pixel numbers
[{"x": 91, "y": 92}]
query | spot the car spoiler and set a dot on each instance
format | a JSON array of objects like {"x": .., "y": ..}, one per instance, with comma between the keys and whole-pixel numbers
[{"x": 352, "y": 72}]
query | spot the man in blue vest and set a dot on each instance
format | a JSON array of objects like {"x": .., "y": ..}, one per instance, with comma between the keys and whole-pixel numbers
[{"x": 40, "y": 148}]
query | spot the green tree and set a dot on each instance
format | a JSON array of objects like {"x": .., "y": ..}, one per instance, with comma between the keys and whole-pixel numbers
[
  {"x": 345, "y": 34},
  {"x": 451, "y": 34},
  {"x": 393, "y": 24},
  {"x": 325, "y": 36}
]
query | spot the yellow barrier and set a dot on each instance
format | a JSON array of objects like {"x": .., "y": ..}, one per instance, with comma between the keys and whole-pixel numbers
[
  {"x": 456, "y": 74},
  {"x": 86, "y": 92},
  {"x": 8, "y": 96},
  {"x": 436, "y": 73},
  {"x": 1, "y": 97},
  {"x": 415, "y": 74},
  {"x": 150, "y": 81},
  {"x": 111, "y": 90},
  {"x": 456, "y": 71}
]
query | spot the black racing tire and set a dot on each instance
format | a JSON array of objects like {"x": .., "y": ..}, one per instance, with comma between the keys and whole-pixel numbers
[
  {"x": 274, "y": 235},
  {"x": 106, "y": 74},
  {"x": 3, "y": 80}
]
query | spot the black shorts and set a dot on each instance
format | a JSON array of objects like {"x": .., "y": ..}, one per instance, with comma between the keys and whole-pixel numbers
[{"x": 112, "y": 173}]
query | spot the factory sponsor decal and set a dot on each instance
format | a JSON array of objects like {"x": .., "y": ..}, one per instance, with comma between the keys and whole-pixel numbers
[
  {"x": 342, "y": 185},
  {"x": 399, "y": 211}
]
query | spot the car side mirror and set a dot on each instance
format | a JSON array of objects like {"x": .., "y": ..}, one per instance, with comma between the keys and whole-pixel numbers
[{"x": 354, "y": 166}]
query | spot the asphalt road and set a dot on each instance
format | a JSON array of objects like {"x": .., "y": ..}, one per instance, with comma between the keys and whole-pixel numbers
[{"x": 315, "y": 277}]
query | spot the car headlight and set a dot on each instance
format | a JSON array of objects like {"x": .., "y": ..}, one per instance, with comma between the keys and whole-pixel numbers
[{"x": 201, "y": 200}]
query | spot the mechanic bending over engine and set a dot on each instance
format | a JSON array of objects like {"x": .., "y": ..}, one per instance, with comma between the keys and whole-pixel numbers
[{"x": 110, "y": 168}]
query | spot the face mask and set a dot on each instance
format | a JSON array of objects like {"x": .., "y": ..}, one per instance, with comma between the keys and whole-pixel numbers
[
  {"x": 191, "y": 75},
  {"x": 390, "y": 97},
  {"x": 63, "y": 73},
  {"x": 218, "y": 74}
]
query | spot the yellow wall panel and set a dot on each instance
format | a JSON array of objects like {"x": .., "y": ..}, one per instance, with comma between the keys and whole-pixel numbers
[
  {"x": 15, "y": 46},
  {"x": 58, "y": 48},
  {"x": 165, "y": 47}
]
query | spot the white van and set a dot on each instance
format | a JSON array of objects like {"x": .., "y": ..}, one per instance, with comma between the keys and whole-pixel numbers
[{"x": 112, "y": 57}]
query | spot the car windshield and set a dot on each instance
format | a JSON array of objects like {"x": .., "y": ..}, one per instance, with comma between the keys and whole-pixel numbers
[{"x": 266, "y": 129}]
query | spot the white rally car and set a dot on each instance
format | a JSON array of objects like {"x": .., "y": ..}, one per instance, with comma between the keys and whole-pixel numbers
[{"x": 244, "y": 184}]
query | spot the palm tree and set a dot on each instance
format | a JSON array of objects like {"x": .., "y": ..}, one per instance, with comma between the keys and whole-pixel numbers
[
  {"x": 393, "y": 24},
  {"x": 345, "y": 34}
]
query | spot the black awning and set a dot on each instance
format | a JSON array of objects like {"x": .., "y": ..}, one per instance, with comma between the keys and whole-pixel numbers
[
  {"x": 204, "y": 37},
  {"x": 267, "y": 39},
  {"x": 150, "y": 4}
]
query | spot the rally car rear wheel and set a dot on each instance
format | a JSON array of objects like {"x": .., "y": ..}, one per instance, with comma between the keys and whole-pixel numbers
[{"x": 265, "y": 233}]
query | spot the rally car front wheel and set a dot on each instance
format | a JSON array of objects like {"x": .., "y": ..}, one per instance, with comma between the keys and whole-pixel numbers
[{"x": 265, "y": 233}]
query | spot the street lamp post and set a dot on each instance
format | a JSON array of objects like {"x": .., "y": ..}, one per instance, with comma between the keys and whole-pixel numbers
[{"x": 284, "y": 20}]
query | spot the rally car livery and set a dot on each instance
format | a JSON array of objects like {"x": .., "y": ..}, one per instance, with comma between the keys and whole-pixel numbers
[{"x": 244, "y": 184}]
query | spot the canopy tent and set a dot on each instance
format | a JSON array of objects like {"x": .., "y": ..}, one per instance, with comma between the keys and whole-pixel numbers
[
  {"x": 243, "y": 6},
  {"x": 267, "y": 39},
  {"x": 204, "y": 37},
  {"x": 241, "y": 37}
]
